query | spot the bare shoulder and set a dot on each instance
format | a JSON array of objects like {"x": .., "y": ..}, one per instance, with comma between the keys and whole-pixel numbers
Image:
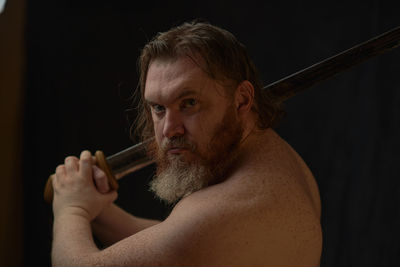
[{"x": 266, "y": 213}]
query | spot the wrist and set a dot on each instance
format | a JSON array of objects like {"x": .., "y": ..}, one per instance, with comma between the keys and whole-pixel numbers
[{"x": 72, "y": 212}]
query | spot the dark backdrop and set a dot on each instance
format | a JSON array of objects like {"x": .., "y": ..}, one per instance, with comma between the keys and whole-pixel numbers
[{"x": 81, "y": 72}]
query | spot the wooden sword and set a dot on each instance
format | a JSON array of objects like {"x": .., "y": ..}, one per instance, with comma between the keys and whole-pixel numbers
[{"x": 134, "y": 158}]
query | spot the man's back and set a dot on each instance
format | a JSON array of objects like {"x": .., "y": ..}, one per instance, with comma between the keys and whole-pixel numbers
[{"x": 266, "y": 213}]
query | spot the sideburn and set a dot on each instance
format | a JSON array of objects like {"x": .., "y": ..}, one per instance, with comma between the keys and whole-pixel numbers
[{"x": 224, "y": 146}]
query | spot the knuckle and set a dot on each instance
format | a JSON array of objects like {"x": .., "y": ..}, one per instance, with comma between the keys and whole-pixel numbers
[
  {"x": 70, "y": 159},
  {"x": 59, "y": 169}
]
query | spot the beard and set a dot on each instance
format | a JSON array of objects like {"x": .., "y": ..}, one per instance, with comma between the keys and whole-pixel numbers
[{"x": 176, "y": 177}]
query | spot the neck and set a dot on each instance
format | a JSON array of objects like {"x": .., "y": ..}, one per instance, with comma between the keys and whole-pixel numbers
[
  {"x": 253, "y": 145},
  {"x": 249, "y": 124}
]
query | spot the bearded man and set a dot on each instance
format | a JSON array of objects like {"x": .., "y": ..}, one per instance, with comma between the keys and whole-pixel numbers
[{"x": 242, "y": 196}]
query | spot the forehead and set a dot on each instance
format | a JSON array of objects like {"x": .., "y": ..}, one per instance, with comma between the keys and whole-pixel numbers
[{"x": 169, "y": 79}]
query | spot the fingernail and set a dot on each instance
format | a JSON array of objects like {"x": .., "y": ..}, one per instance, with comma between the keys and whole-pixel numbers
[{"x": 85, "y": 153}]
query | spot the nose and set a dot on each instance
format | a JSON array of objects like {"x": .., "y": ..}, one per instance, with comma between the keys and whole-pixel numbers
[{"x": 173, "y": 125}]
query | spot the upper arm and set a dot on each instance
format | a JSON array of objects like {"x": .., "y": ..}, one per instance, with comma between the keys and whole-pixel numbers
[
  {"x": 115, "y": 224},
  {"x": 168, "y": 243},
  {"x": 183, "y": 239}
]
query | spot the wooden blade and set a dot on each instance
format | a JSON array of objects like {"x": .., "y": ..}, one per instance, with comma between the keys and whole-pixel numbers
[
  {"x": 135, "y": 158},
  {"x": 306, "y": 78}
]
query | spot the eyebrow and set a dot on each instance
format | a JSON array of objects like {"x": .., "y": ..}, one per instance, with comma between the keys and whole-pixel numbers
[
  {"x": 186, "y": 93},
  {"x": 150, "y": 103}
]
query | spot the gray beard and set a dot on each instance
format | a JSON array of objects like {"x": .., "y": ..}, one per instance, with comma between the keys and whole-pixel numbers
[
  {"x": 180, "y": 179},
  {"x": 177, "y": 178}
]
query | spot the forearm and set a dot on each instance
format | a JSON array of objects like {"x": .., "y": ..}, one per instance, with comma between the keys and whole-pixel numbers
[
  {"x": 72, "y": 241},
  {"x": 115, "y": 224}
]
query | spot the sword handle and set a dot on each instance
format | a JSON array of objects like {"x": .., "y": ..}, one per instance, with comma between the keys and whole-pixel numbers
[
  {"x": 101, "y": 162},
  {"x": 48, "y": 190}
]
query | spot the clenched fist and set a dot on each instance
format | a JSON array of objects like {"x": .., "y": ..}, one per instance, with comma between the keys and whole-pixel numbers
[{"x": 81, "y": 188}]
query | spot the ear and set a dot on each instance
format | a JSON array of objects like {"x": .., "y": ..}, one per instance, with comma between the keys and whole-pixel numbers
[{"x": 244, "y": 97}]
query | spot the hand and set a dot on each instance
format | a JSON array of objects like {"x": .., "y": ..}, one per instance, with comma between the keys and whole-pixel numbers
[{"x": 75, "y": 190}]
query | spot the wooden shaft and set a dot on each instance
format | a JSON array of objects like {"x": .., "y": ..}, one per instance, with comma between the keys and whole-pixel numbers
[
  {"x": 291, "y": 85},
  {"x": 100, "y": 162},
  {"x": 306, "y": 78}
]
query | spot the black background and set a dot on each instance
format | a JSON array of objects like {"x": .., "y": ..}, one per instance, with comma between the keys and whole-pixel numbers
[{"x": 81, "y": 72}]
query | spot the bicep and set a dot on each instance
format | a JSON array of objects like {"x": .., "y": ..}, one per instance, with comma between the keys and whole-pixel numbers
[
  {"x": 115, "y": 224},
  {"x": 181, "y": 240},
  {"x": 157, "y": 245}
]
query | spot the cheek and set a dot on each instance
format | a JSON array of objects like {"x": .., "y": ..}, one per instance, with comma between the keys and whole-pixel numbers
[
  {"x": 200, "y": 128},
  {"x": 158, "y": 129},
  {"x": 194, "y": 126}
]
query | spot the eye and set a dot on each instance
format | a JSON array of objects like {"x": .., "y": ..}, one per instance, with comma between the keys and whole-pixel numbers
[
  {"x": 188, "y": 103},
  {"x": 157, "y": 108}
]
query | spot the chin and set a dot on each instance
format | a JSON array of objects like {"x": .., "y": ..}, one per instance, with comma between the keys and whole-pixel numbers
[
  {"x": 186, "y": 156},
  {"x": 178, "y": 178}
]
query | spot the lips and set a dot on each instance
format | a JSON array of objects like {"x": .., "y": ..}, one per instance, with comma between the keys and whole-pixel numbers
[
  {"x": 176, "y": 145},
  {"x": 177, "y": 150}
]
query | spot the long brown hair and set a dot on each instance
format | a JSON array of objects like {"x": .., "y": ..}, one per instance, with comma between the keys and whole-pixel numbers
[{"x": 224, "y": 58}]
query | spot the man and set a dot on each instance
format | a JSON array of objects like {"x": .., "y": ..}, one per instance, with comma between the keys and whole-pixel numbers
[{"x": 242, "y": 195}]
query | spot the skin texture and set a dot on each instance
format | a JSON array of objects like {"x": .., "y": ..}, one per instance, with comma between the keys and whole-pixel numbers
[{"x": 265, "y": 213}]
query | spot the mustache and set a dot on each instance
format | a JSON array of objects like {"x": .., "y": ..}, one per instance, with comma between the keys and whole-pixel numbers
[{"x": 177, "y": 142}]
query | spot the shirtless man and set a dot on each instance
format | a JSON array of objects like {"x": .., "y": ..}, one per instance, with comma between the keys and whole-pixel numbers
[{"x": 242, "y": 196}]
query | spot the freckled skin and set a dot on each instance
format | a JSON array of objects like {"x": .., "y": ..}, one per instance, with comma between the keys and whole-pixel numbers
[{"x": 265, "y": 213}]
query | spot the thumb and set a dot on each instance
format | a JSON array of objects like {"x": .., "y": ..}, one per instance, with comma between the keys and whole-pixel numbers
[
  {"x": 100, "y": 180},
  {"x": 112, "y": 196}
]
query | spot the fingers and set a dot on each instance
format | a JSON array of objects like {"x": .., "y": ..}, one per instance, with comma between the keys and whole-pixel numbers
[
  {"x": 60, "y": 171},
  {"x": 84, "y": 168},
  {"x": 100, "y": 180},
  {"x": 71, "y": 164},
  {"x": 55, "y": 179},
  {"x": 85, "y": 164}
]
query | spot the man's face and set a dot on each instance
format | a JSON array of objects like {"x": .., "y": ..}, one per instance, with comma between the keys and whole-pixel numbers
[{"x": 195, "y": 124}]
